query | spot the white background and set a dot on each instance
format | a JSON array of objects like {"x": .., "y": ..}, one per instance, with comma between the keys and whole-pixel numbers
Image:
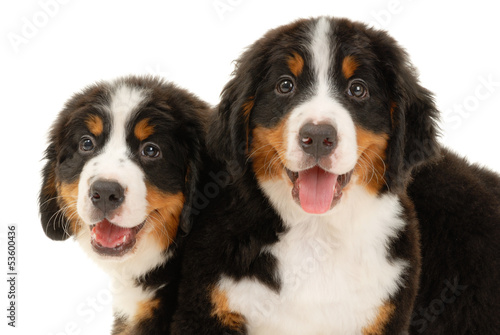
[{"x": 48, "y": 52}]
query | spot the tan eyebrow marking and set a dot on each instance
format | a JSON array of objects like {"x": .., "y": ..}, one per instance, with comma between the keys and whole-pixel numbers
[
  {"x": 94, "y": 124},
  {"x": 349, "y": 65},
  {"x": 143, "y": 129},
  {"x": 296, "y": 64}
]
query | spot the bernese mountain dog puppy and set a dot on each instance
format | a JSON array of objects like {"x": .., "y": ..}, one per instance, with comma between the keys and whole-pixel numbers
[
  {"x": 304, "y": 225},
  {"x": 122, "y": 166}
]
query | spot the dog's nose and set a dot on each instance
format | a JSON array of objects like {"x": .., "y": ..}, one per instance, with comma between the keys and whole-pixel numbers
[
  {"x": 318, "y": 140},
  {"x": 106, "y": 195}
]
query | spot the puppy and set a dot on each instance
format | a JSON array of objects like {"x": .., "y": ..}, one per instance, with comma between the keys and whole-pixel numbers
[
  {"x": 122, "y": 165},
  {"x": 304, "y": 223}
]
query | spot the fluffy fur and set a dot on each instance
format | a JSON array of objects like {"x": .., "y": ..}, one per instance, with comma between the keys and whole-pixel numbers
[
  {"x": 122, "y": 165},
  {"x": 458, "y": 208},
  {"x": 303, "y": 222}
]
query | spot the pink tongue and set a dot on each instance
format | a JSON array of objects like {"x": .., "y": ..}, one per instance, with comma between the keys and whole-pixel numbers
[
  {"x": 109, "y": 235},
  {"x": 316, "y": 190}
]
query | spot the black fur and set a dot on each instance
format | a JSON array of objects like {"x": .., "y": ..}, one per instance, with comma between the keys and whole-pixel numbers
[{"x": 458, "y": 208}]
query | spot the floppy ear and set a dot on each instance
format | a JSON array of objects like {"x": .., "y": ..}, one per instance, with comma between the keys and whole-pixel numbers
[
  {"x": 195, "y": 136},
  {"x": 186, "y": 222},
  {"x": 54, "y": 223},
  {"x": 229, "y": 134},
  {"x": 414, "y": 131}
]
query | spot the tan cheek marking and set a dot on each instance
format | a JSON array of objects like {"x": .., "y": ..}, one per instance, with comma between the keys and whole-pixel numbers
[
  {"x": 223, "y": 313},
  {"x": 268, "y": 151},
  {"x": 349, "y": 65},
  {"x": 95, "y": 125},
  {"x": 384, "y": 314},
  {"x": 370, "y": 168},
  {"x": 67, "y": 198},
  {"x": 143, "y": 129},
  {"x": 165, "y": 209},
  {"x": 296, "y": 64}
]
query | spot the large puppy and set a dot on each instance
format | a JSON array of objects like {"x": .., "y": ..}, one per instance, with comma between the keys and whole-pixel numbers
[
  {"x": 306, "y": 225},
  {"x": 122, "y": 164}
]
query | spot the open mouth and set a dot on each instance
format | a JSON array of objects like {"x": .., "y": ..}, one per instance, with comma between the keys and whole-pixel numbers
[
  {"x": 316, "y": 190},
  {"x": 108, "y": 239}
]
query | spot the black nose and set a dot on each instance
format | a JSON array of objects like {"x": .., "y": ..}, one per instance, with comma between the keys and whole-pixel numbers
[
  {"x": 106, "y": 195},
  {"x": 318, "y": 140}
]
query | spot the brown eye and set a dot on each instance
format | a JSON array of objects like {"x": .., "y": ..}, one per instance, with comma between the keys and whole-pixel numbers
[
  {"x": 285, "y": 86},
  {"x": 87, "y": 144},
  {"x": 150, "y": 150},
  {"x": 357, "y": 89}
]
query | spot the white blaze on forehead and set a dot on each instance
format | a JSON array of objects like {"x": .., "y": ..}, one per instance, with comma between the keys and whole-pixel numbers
[
  {"x": 113, "y": 163},
  {"x": 322, "y": 107},
  {"x": 125, "y": 100},
  {"x": 321, "y": 52}
]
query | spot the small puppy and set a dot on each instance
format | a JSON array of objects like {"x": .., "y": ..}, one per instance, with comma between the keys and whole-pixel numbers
[
  {"x": 122, "y": 165},
  {"x": 306, "y": 224}
]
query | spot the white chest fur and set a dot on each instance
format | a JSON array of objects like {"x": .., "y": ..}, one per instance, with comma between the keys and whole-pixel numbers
[{"x": 334, "y": 270}]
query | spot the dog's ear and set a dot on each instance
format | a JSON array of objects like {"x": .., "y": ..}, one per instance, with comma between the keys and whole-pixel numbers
[
  {"x": 194, "y": 137},
  {"x": 186, "y": 220},
  {"x": 413, "y": 139},
  {"x": 54, "y": 222},
  {"x": 229, "y": 135}
]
